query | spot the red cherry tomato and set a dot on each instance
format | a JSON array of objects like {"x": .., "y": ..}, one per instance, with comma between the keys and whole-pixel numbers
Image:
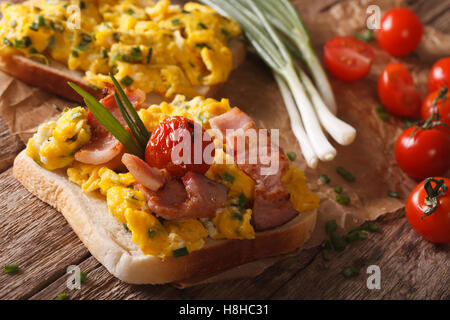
[
  {"x": 347, "y": 58},
  {"x": 424, "y": 154},
  {"x": 397, "y": 91},
  {"x": 434, "y": 227},
  {"x": 166, "y": 147},
  {"x": 439, "y": 75},
  {"x": 400, "y": 32},
  {"x": 442, "y": 106}
]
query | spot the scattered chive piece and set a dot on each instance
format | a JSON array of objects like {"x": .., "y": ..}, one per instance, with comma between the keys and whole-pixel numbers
[
  {"x": 350, "y": 272},
  {"x": 357, "y": 228},
  {"x": 104, "y": 53},
  {"x": 180, "y": 252},
  {"x": 6, "y": 42},
  {"x": 34, "y": 26},
  {"x": 62, "y": 296},
  {"x": 75, "y": 53},
  {"x": 326, "y": 255},
  {"x": 83, "y": 276},
  {"x": 342, "y": 199},
  {"x": 237, "y": 216},
  {"x": 338, "y": 242},
  {"x": 372, "y": 227},
  {"x": 292, "y": 156},
  {"x": 362, "y": 235},
  {"x": 408, "y": 123},
  {"x": 338, "y": 189},
  {"x": 393, "y": 194},
  {"x": 224, "y": 32},
  {"x": 201, "y": 25},
  {"x": 11, "y": 268},
  {"x": 228, "y": 177},
  {"x": 330, "y": 227},
  {"x": 242, "y": 201},
  {"x": 365, "y": 36},
  {"x": 55, "y": 106},
  {"x": 326, "y": 245},
  {"x": 149, "y": 55},
  {"x": 176, "y": 21},
  {"x": 325, "y": 178},
  {"x": 125, "y": 226},
  {"x": 41, "y": 21},
  {"x": 352, "y": 236},
  {"x": 345, "y": 174},
  {"x": 382, "y": 114},
  {"x": 136, "y": 54},
  {"x": 127, "y": 81},
  {"x": 203, "y": 45},
  {"x": 82, "y": 5},
  {"x": 151, "y": 233},
  {"x": 130, "y": 12}
]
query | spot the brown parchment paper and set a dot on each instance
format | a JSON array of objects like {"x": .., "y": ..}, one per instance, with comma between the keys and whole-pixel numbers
[{"x": 370, "y": 158}]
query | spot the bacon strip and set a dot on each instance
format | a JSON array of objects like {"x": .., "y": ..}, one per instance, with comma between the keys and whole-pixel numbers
[
  {"x": 195, "y": 197},
  {"x": 149, "y": 177},
  {"x": 271, "y": 207},
  {"x": 103, "y": 146}
]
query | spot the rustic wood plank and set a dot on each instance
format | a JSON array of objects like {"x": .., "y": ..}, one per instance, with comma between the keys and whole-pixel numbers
[
  {"x": 411, "y": 268},
  {"x": 34, "y": 236},
  {"x": 10, "y": 146}
]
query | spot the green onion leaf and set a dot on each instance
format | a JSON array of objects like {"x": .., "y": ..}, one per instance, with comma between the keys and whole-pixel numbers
[{"x": 109, "y": 122}]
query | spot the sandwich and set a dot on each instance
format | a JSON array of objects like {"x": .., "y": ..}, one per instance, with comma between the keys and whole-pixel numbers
[
  {"x": 159, "y": 48},
  {"x": 148, "y": 209}
]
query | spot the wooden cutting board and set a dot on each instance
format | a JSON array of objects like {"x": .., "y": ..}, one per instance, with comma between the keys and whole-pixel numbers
[{"x": 38, "y": 238}]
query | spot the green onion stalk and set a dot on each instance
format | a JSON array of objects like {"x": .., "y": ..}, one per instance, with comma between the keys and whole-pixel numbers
[{"x": 294, "y": 84}]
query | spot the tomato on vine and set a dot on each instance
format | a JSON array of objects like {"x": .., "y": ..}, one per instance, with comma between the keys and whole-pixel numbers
[
  {"x": 437, "y": 107},
  {"x": 439, "y": 76},
  {"x": 428, "y": 209}
]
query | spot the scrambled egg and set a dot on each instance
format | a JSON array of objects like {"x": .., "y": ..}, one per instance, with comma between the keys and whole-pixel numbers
[
  {"x": 55, "y": 143},
  {"x": 156, "y": 47},
  {"x": 301, "y": 198},
  {"x": 91, "y": 178}
]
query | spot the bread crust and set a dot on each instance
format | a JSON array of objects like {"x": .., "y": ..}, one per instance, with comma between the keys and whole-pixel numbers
[
  {"x": 111, "y": 245},
  {"x": 54, "y": 77}
]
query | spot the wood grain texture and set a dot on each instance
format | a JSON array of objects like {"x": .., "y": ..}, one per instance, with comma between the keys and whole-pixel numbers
[{"x": 37, "y": 237}]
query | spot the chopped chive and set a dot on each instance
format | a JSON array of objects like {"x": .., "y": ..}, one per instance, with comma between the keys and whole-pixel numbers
[
  {"x": 242, "y": 201},
  {"x": 176, "y": 21},
  {"x": 338, "y": 189},
  {"x": 338, "y": 242},
  {"x": 55, "y": 106},
  {"x": 6, "y": 42},
  {"x": 127, "y": 81},
  {"x": 201, "y": 25},
  {"x": 350, "y": 272},
  {"x": 342, "y": 199},
  {"x": 408, "y": 123},
  {"x": 34, "y": 26},
  {"x": 372, "y": 227},
  {"x": 352, "y": 236},
  {"x": 362, "y": 235},
  {"x": 41, "y": 21},
  {"x": 224, "y": 32},
  {"x": 382, "y": 114},
  {"x": 330, "y": 227},
  {"x": 151, "y": 233},
  {"x": 62, "y": 296},
  {"x": 116, "y": 36},
  {"x": 228, "y": 177},
  {"x": 11, "y": 268},
  {"x": 292, "y": 156},
  {"x": 357, "y": 228},
  {"x": 326, "y": 244},
  {"x": 345, "y": 174},
  {"x": 237, "y": 216},
  {"x": 130, "y": 12},
  {"x": 326, "y": 255},
  {"x": 366, "y": 36},
  {"x": 75, "y": 53},
  {"x": 82, "y": 5},
  {"x": 125, "y": 226},
  {"x": 185, "y": 11},
  {"x": 33, "y": 51},
  {"x": 393, "y": 194},
  {"x": 324, "y": 178},
  {"x": 104, "y": 53},
  {"x": 149, "y": 55},
  {"x": 180, "y": 252},
  {"x": 136, "y": 54},
  {"x": 18, "y": 43},
  {"x": 203, "y": 45}
]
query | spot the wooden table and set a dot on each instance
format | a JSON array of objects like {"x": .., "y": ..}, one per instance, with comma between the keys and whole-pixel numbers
[{"x": 38, "y": 238}]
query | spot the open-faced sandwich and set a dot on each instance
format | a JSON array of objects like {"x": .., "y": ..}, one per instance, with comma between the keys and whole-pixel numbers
[
  {"x": 127, "y": 179},
  {"x": 159, "y": 48}
]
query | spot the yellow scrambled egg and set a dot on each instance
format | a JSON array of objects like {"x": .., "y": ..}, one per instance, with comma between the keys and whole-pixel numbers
[
  {"x": 301, "y": 198},
  {"x": 153, "y": 46},
  {"x": 55, "y": 143}
]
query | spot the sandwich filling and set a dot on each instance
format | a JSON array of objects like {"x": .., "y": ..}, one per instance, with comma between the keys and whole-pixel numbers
[
  {"x": 171, "y": 214},
  {"x": 153, "y": 46}
]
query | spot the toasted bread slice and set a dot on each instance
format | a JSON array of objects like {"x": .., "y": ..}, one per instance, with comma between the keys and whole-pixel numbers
[
  {"x": 111, "y": 244},
  {"x": 54, "y": 76}
]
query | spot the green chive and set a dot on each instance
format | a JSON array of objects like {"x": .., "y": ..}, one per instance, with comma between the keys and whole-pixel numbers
[
  {"x": 82, "y": 5},
  {"x": 350, "y": 272},
  {"x": 180, "y": 252},
  {"x": 352, "y": 236},
  {"x": 27, "y": 42},
  {"x": 34, "y": 26},
  {"x": 104, "y": 53},
  {"x": 338, "y": 189},
  {"x": 134, "y": 130},
  {"x": 116, "y": 36},
  {"x": 149, "y": 55},
  {"x": 41, "y": 21},
  {"x": 201, "y": 25},
  {"x": 330, "y": 227},
  {"x": 382, "y": 114},
  {"x": 228, "y": 177},
  {"x": 109, "y": 122},
  {"x": 362, "y": 235},
  {"x": 354, "y": 229},
  {"x": 136, "y": 54},
  {"x": 127, "y": 81},
  {"x": 151, "y": 233},
  {"x": 62, "y": 296},
  {"x": 6, "y": 42},
  {"x": 366, "y": 36},
  {"x": 18, "y": 43},
  {"x": 11, "y": 268},
  {"x": 55, "y": 106},
  {"x": 345, "y": 174},
  {"x": 344, "y": 200},
  {"x": 33, "y": 51},
  {"x": 83, "y": 276},
  {"x": 176, "y": 21},
  {"x": 203, "y": 45},
  {"x": 326, "y": 245},
  {"x": 326, "y": 255},
  {"x": 224, "y": 32},
  {"x": 237, "y": 216},
  {"x": 125, "y": 226},
  {"x": 324, "y": 178},
  {"x": 75, "y": 53},
  {"x": 408, "y": 123},
  {"x": 372, "y": 227},
  {"x": 292, "y": 156},
  {"x": 338, "y": 242},
  {"x": 393, "y": 194},
  {"x": 242, "y": 201}
]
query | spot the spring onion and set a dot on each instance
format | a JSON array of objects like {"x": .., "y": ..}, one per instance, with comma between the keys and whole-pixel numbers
[{"x": 307, "y": 110}]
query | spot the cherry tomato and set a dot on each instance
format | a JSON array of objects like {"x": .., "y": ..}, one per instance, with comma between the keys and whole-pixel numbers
[
  {"x": 397, "y": 91},
  {"x": 434, "y": 227},
  {"x": 442, "y": 106},
  {"x": 400, "y": 32},
  {"x": 168, "y": 143},
  {"x": 439, "y": 75},
  {"x": 347, "y": 58},
  {"x": 424, "y": 154}
]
